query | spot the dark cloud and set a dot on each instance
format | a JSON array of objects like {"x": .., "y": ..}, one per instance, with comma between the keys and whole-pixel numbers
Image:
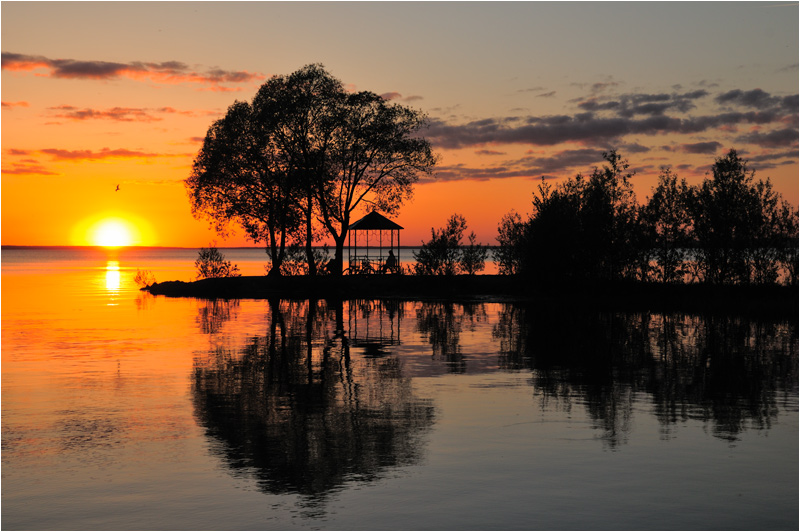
[
  {"x": 629, "y": 105},
  {"x": 789, "y": 154},
  {"x": 561, "y": 162},
  {"x": 701, "y": 147},
  {"x": 546, "y": 94},
  {"x": 489, "y": 152},
  {"x": 171, "y": 72},
  {"x": 532, "y": 166},
  {"x": 776, "y": 138},
  {"x": 756, "y": 98},
  {"x": 633, "y": 148},
  {"x": 586, "y": 128}
]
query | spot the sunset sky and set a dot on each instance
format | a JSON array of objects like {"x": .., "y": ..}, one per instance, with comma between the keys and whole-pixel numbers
[{"x": 97, "y": 94}]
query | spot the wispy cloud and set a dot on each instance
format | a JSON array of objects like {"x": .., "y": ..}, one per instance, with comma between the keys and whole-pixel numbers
[
  {"x": 11, "y": 105},
  {"x": 27, "y": 168},
  {"x": 701, "y": 147},
  {"x": 168, "y": 72},
  {"x": 104, "y": 153},
  {"x": 400, "y": 97},
  {"x": 119, "y": 114}
]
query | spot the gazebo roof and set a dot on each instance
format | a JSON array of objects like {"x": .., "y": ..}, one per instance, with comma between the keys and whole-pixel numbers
[{"x": 374, "y": 221}]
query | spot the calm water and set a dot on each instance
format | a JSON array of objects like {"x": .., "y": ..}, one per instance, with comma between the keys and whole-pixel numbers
[{"x": 125, "y": 411}]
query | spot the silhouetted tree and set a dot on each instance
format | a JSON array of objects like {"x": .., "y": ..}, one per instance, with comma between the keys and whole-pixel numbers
[
  {"x": 582, "y": 229},
  {"x": 305, "y": 153},
  {"x": 237, "y": 178},
  {"x": 473, "y": 256},
  {"x": 668, "y": 225},
  {"x": 741, "y": 225},
  {"x": 211, "y": 263},
  {"x": 441, "y": 254},
  {"x": 508, "y": 254},
  {"x": 375, "y": 157},
  {"x": 300, "y": 115}
]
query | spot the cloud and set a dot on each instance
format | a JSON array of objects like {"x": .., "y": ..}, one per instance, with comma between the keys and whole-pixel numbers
[
  {"x": 398, "y": 96},
  {"x": 776, "y": 138},
  {"x": 532, "y": 166},
  {"x": 119, "y": 114},
  {"x": 701, "y": 147},
  {"x": 169, "y": 72},
  {"x": 756, "y": 98},
  {"x": 27, "y": 168},
  {"x": 489, "y": 152},
  {"x": 603, "y": 122},
  {"x": 550, "y": 94},
  {"x": 105, "y": 153},
  {"x": 629, "y": 105},
  {"x": 11, "y": 105}
]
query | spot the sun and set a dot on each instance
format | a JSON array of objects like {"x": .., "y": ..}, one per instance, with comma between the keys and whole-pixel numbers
[{"x": 112, "y": 233}]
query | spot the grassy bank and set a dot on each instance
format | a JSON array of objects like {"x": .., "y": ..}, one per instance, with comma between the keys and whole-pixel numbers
[{"x": 773, "y": 300}]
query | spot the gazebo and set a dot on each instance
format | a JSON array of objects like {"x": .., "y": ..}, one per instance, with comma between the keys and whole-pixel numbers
[{"x": 364, "y": 236}]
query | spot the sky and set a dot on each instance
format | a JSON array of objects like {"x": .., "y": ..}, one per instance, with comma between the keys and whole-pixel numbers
[{"x": 100, "y": 95}]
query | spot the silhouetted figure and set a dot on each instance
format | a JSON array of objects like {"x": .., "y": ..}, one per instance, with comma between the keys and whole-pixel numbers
[
  {"x": 117, "y": 189},
  {"x": 391, "y": 263}
]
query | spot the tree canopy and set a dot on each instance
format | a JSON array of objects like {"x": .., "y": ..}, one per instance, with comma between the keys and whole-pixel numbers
[{"x": 297, "y": 162}]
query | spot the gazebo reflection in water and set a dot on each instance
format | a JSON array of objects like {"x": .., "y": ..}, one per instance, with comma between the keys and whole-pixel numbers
[
  {"x": 370, "y": 242},
  {"x": 374, "y": 325}
]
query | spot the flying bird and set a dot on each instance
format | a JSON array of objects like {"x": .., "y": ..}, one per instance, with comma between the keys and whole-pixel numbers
[{"x": 117, "y": 189}]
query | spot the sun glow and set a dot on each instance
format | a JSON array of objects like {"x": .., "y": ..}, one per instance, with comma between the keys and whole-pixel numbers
[
  {"x": 112, "y": 233},
  {"x": 113, "y": 230}
]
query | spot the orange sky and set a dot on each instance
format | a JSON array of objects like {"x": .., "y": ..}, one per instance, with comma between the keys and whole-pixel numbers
[{"x": 88, "y": 104}]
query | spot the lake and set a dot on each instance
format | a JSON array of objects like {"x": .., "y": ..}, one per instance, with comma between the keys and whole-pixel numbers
[{"x": 127, "y": 411}]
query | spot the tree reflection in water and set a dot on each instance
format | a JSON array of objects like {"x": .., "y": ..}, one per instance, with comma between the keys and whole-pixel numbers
[
  {"x": 296, "y": 410},
  {"x": 442, "y": 324},
  {"x": 324, "y": 397},
  {"x": 728, "y": 372}
]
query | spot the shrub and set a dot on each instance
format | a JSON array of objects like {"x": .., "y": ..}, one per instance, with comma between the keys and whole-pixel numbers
[
  {"x": 144, "y": 278},
  {"x": 295, "y": 261},
  {"x": 211, "y": 263},
  {"x": 473, "y": 257},
  {"x": 443, "y": 254}
]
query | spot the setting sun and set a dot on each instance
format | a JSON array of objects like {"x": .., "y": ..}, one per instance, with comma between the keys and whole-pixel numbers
[{"x": 112, "y": 232}]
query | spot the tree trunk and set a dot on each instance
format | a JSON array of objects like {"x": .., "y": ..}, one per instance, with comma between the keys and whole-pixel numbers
[
  {"x": 338, "y": 257},
  {"x": 312, "y": 266}
]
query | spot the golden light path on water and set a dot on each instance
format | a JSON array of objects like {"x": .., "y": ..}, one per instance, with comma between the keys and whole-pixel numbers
[{"x": 113, "y": 276}]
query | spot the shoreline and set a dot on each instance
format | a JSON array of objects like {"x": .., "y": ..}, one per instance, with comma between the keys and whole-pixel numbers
[{"x": 628, "y": 296}]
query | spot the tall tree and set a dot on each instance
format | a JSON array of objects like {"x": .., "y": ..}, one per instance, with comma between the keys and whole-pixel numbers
[
  {"x": 741, "y": 225},
  {"x": 307, "y": 151},
  {"x": 668, "y": 225},
  {"x": 374, "y": 158},
  {"x": 238, "y": 179},
  {"x": 300, "y": 115}
]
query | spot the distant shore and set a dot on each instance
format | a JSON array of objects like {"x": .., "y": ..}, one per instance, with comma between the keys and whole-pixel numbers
[{"x": 634, "y": 296}]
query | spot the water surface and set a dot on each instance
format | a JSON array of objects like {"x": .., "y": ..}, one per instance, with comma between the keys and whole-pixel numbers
[{"x": 122, "y": 410}]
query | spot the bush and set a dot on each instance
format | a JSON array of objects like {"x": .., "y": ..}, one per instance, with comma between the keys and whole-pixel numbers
[
  {"x": 211, "y": 263},
  {"x": 443, "y": 254},
  {"x": 144, "y": 278},
  {"x": 473, "y": 257},
  {"x": 295, "y": 262}
]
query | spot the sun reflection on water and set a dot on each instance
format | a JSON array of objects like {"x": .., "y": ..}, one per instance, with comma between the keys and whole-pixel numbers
[{"x": 113, "y": 276}]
